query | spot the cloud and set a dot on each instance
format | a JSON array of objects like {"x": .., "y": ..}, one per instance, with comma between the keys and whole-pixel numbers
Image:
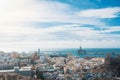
[
  {"x": 18, "y": 32},
  {"x": 64, "y": 36},
  {"x": 56, "y": 33},
  {"x": 100, "y": 13},
  {"x": 110, "y": 29},
  {"x": 17, "y": 12},
  {"x": 33, "y": 10}
]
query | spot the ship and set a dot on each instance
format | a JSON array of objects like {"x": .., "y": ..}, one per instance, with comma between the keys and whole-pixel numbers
[{"x": 81, "y": 51}]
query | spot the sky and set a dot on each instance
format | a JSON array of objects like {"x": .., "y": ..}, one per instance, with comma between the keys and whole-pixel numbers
[{"x": 32, "y": 24}]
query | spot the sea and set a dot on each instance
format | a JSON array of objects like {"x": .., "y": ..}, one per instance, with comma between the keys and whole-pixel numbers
[{"x": 90, "y": 52}]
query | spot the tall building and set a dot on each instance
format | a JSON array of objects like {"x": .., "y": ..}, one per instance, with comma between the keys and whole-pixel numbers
[{"x": 38, "y": 52}]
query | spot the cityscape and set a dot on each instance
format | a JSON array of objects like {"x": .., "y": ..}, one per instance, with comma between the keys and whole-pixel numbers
[
  {"x": 39, "y": 65},
  {"x": 59, "y": 39}
]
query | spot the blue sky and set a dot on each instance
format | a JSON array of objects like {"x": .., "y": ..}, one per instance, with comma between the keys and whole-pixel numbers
[{"x": 31, "y": 24}]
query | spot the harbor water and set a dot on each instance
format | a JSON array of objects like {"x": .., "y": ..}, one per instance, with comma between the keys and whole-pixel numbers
[{"x": 90, "y": 52}]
